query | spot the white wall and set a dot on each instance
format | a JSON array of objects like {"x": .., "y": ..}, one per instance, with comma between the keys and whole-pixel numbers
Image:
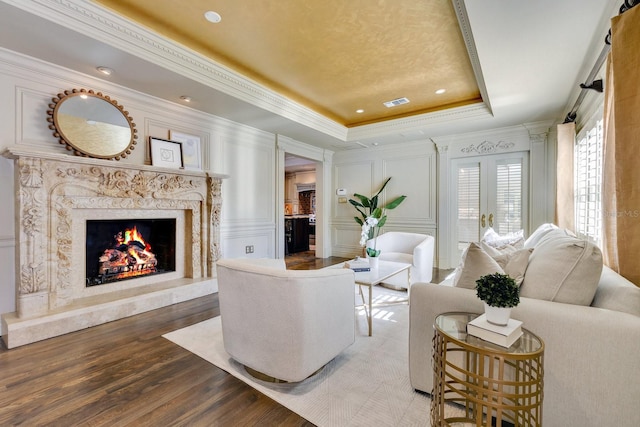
[{"x": 412, "y": 169}]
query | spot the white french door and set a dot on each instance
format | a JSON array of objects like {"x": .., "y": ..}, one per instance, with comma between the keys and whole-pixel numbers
[{"x": 488, "y": 191}]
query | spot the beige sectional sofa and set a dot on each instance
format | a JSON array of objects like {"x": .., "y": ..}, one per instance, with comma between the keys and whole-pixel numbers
[{"x": 592, "y": 349}]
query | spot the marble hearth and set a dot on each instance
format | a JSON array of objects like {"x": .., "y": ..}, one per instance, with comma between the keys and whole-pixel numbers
[{"x": 56, "y": 194}]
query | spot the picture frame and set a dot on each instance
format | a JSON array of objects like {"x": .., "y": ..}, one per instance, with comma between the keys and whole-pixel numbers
[
  {"x": 166, "y": 154},
  {"x": 191, "y": 154}
]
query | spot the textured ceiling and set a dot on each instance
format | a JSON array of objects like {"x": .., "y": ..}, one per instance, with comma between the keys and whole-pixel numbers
[{"x": 334, "y": 56}]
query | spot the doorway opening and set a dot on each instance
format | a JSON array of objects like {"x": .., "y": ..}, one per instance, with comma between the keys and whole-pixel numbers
[{"x": 299, "y": 205}]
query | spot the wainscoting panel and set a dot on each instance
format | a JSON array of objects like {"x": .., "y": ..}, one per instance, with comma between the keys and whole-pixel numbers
[
  {"x": 415, "y": 177},
  {"x": 356, "y": 177},
  {"x": 346, "y": 238},
  {"x": 234, "y": 244}
]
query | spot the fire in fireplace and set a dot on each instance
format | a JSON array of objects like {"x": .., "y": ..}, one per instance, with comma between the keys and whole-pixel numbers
[{"x": 125, "y": 249}]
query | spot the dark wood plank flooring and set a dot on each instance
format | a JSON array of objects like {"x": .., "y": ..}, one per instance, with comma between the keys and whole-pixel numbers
[
  {"x": 308, "y": 261},
  {"x": 124, "y": 373}
]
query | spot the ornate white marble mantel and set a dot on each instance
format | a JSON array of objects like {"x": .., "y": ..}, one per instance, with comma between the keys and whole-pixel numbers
[{"x": 56, "y": 194}]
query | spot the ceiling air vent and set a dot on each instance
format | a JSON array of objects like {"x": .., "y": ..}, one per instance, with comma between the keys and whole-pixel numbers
[{"x": 396, "y": 102}]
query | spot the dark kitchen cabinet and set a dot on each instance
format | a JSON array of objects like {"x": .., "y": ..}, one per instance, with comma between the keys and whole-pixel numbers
[{"x": 296, "y": 232}]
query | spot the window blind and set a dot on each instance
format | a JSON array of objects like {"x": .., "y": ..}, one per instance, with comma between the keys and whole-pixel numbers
[
  {"x": 588, "y": 184},
  {"x": 509, "y": 198},
  {"x": 468, "y": 204}
]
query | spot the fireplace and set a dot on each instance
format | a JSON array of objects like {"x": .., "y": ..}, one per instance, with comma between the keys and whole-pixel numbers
[
  {"x": 125, "y": 249},
  {"x": 68, "y": 210}
]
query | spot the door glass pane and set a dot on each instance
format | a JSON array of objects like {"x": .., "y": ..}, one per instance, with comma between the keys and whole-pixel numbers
[
  {"x": 508, "y": 216},
  {"x": 468, "y": 205}
]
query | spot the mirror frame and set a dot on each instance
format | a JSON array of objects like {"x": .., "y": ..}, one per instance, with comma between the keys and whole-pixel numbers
[{"x": 70, "y": 145}]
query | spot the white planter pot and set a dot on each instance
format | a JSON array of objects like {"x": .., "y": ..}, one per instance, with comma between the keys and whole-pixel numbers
[
  {"x": 497, "y": 315},
  {"x": 373, "y": 262}
]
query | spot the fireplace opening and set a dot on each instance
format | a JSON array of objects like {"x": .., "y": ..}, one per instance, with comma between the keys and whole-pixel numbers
[{"x": 126, "y": 249}]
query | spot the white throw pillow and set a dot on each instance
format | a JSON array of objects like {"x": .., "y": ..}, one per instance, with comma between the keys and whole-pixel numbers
[
  {"x": 537, "y": 235},
  {"x": 493, "y": 239},
  {"x": 563, "y": 268}
]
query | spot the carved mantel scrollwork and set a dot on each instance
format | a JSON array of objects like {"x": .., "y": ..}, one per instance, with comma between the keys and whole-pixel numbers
[
  {"x": 32, "y": 213},
  {"x": 56, "y": 194}
]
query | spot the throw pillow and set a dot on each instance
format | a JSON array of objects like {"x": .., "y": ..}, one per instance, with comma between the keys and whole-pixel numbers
[
  {"x": 537, "y": 235},
  {"x": 515, "y": 263},
  {"x": 563, "y": 268},
  {"x": 495, "y": 252},
  {"x": 474, "y": 264},
  {"x": 496, "y": 240}
]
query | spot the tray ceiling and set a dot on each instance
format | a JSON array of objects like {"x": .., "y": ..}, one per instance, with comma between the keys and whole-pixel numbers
[{"x": 333, "y": 56}]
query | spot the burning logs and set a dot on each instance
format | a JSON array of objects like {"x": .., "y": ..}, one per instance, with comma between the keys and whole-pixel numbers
[{"x": 130, "y": 257}]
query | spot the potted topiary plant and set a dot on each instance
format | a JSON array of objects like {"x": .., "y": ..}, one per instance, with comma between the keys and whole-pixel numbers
[{"x": 499, "y": 293}]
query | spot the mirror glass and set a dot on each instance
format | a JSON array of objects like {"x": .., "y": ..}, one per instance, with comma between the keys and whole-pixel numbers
[{"x": 92, "y": 124}]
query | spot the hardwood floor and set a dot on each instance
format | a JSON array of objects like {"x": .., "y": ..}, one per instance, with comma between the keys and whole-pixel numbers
[
  {"x": 308, "y": 261},
  {"x": 124, "y": 373}
]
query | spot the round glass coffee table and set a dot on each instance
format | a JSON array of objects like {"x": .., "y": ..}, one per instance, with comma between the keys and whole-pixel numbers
[{"x": 488, "y": 382}]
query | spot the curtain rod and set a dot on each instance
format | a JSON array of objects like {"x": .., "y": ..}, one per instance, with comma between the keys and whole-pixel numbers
[{"x": 597, "y": 84}]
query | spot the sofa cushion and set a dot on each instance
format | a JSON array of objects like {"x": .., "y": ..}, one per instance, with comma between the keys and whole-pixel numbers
[
  {"x": 563, "y": 268},
  {"x": 617, "y": 293}
]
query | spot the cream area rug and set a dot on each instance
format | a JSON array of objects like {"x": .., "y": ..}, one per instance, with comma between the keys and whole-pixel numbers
[{"x": 368, "y": 384}]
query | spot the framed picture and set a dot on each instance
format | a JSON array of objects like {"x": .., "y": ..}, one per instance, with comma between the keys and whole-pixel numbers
[
  {"x": 190, "y": 149},
  {"x": 166, "y": 154}
]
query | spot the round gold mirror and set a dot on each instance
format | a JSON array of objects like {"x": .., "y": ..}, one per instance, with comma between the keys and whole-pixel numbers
[{"x": 92, "y": 124}]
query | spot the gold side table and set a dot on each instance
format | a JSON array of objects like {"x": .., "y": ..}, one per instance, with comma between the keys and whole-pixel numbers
[{"x": 490, "y": 383}]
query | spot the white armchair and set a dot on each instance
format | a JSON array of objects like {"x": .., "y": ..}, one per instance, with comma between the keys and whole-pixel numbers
[
  {"x": 285, "y": 324},
  {"x": 412, "y": 248}
]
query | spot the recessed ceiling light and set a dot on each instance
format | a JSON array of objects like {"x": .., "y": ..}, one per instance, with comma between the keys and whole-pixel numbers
[
  {"x": 185, "y": 98},
  {"x": 212, "y": 16},
  {"x": 360, "y": 111},
  {"x": 105, "y": 70},
  {"x": 440, "y": 91}
]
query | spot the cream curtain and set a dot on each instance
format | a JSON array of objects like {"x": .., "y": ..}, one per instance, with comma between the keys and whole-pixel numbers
[
  {"x": 621, "y": 169},
  {"x": 565, "y": 201}
]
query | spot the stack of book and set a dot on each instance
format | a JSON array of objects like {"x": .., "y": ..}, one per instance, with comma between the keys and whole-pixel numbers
[
  {"x": 358, "y": 264},
  {"x": 504, "y": 336}
]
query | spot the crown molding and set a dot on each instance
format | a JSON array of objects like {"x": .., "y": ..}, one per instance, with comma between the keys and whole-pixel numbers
[
  {"x": 467, "y": 35},
  {"x": 420, "y": 121}
]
